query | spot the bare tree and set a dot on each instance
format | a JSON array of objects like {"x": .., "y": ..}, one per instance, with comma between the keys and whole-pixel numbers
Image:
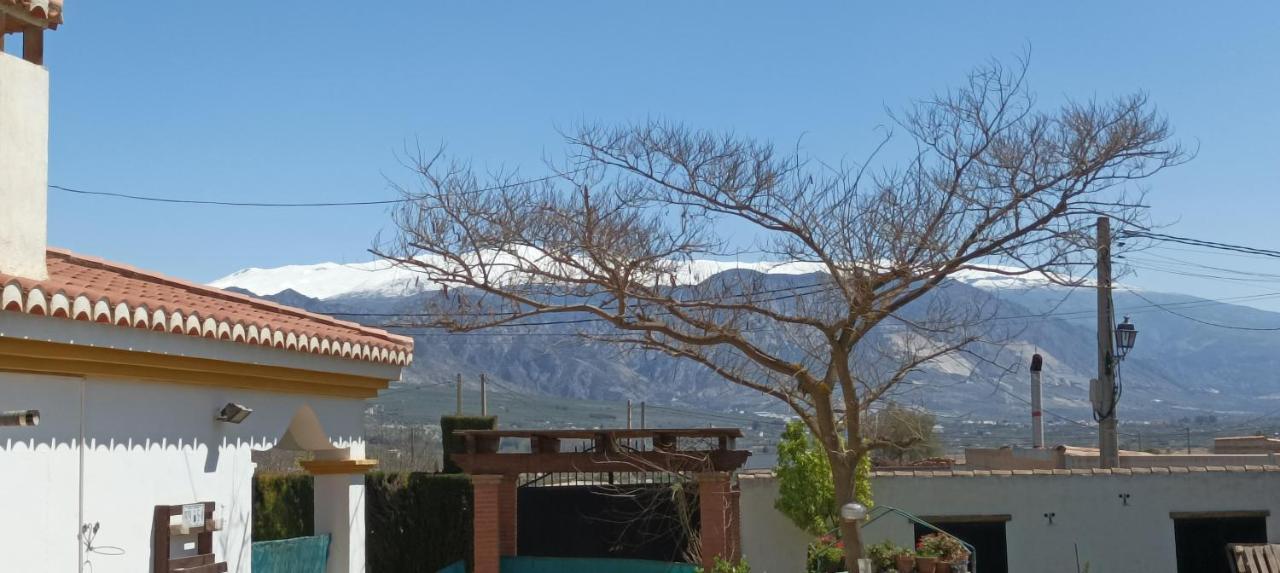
[{"x": 985, "y": 182}]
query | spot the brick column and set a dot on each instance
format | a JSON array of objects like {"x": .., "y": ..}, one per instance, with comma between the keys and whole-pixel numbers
[
  {"x": 507, "y": 523},
  {"x": 486, "y": 524},
  {"x": 717, "y": 510}
]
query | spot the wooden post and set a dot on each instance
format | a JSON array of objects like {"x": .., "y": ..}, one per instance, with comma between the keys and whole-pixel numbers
[
  {"x": 1108, "y": 445},
  {"x": 33, "y": 45},
  {"x": 459, "y": 394}
]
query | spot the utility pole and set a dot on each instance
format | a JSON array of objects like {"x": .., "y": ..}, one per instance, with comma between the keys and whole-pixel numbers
[
  {"x": 1108, "y": 447},
  {"x": 628, "y": 414},
  {"x": 459, "y": 394},
  {"x": 1037, "y": 420},
  {"x": 484, "y": 396}
]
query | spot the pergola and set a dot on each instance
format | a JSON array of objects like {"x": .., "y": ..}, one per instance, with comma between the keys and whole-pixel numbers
[{"x": 709, "y": 453}]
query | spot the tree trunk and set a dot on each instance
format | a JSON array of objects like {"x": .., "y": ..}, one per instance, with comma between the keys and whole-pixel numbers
[{"x": 843, "y": 470}]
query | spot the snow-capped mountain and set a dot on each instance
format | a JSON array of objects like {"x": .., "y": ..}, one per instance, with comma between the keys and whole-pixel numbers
[
  {"x": 1180, "y": 367},
  {"x": 380, "y": 278}
]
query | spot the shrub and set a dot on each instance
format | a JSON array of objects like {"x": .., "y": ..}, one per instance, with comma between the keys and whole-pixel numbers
[
  {"x": 283, "y": 506},
  {"x": 417, "y": 521},
  {"x": 455, "y": 444},
  {"x": 806, "y": 490},
  {"x": 826, "y": 555},
  {"x": 723, "y": 566}
]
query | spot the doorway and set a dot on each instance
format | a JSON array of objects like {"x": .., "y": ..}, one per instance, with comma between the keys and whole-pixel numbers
[
  {"x": 1201, "y": 539},
  {"x": 986, "y": 533}
]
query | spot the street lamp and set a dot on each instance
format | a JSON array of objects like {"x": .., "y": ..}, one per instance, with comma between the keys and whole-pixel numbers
[
  {"x": 853, "y": 511},
  {"x": 1126, "y": 335}
]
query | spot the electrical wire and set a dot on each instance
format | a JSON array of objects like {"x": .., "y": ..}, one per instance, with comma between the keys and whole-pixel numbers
[
  {"x": 1198, "y": 243},
  {"x": 298, "y": 205},
  {"x": 1204, "y": 322}
]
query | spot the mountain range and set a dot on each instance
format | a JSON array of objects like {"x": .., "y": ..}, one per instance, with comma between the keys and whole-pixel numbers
[{"x": 1193, "y": 357}]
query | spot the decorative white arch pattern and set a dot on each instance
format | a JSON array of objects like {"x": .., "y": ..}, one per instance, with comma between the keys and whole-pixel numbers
[{"x": 123, "y": 314}]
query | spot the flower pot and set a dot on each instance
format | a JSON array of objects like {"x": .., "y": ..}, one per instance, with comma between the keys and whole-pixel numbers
[
  {"x": 927, "y": 564},
  {"x": 905, "y": 563}
]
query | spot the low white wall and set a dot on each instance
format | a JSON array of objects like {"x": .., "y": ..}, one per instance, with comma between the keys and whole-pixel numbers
[
  {"x": 770, "y": 542},
  {"x": 1111, "y": 536},
  {"x": 146, "y": 444}
]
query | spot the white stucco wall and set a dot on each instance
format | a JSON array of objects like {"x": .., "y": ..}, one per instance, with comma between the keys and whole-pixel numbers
[
  {"x": 1111, "y": 536},
  {"x": 770, "y": 542},
  {"x": 147, "y": 444},
  {"x": 24, "y": 158}
]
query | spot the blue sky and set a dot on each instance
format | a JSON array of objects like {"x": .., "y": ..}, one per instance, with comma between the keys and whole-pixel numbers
[{"x": 293, "y": 101}]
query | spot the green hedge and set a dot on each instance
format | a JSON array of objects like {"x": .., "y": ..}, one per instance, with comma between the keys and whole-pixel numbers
[
  {"x": 414, "y": 522},
  {"x": 417, "y": 522},
  {"x": 283, "y": 507},
  {"x": 455, "y": 444}
]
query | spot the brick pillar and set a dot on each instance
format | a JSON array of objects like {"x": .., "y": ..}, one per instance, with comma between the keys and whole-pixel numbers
[
  {"x": 487, "y": 521},
  {"x": 717, "y": 509},
  {"x": 507, "y": 524}
]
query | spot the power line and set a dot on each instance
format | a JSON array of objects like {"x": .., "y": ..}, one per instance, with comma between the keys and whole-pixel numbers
[
  {"x": 153, "y": 199},
  {"x": 1204, "y": 322},
  {"x": 1199, "y": 243}
]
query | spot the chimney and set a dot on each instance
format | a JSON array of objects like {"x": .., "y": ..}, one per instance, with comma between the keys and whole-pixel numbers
[
  {"x": 24, "y": 138},
  {"x": 1037, "y": 419}
]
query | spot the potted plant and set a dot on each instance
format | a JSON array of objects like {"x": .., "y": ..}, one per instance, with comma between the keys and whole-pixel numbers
[
  {"x": 881, "y": 556},
  {"x": 926, "y": 557},
  {"x": 948, "y": 550},
  {"x": 904, "y": 559}
]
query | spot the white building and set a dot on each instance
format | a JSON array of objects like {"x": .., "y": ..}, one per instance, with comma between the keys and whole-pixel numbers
[
  {"x": 1046, "y": 521},
  {"x": 129, "y": 369}
]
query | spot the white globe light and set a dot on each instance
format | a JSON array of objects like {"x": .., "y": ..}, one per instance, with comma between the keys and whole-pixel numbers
[{"x": 853, "y": 511}]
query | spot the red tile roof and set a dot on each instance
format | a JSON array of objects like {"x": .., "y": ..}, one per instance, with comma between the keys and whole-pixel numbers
[
  {"x": 91, "y": 289},
  {"x": 47, "y": 13}
]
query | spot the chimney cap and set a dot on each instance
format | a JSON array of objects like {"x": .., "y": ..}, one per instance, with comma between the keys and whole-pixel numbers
[{"x": 1036, "y": 362}]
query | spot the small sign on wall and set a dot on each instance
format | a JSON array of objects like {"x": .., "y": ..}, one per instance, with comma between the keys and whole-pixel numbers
[{"x": 193, "y": 516}]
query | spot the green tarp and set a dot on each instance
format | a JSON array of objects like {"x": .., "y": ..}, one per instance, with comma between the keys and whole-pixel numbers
[{"x": 297, "y": 555}]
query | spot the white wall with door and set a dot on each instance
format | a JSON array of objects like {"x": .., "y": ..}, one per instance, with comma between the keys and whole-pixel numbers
[
  {"x": 1090, "y": 514},
  {"x": 145, "y": 444}
]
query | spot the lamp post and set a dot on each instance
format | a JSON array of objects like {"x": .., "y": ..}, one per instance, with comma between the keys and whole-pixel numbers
[
  {"x": 1126, "y": 335},
  {"x": 850, "y": 513}
]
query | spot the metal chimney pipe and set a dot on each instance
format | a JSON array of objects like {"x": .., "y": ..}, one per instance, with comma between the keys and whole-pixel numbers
[{"x": 1037, "y": 420}]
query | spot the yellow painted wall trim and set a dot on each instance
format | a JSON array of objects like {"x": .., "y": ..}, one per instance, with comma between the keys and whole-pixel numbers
[
  {"x": 332, "y": 467},
  {"x": 67, "y": 359}
]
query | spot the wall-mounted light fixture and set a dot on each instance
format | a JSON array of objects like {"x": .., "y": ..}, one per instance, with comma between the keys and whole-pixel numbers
[
  {"x": 233, "y": 413},
  {"x": 20, "y": 418}
]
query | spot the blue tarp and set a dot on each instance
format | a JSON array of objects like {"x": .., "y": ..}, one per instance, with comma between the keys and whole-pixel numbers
[
  {"x": 579, "y": 565},
  {"x": 297, "y": 555}
]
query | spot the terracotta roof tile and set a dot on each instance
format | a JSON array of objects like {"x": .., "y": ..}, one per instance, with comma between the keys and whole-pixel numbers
[
  {"x": 91, "y": 289},
  {"x": 47, "y": 13}
]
